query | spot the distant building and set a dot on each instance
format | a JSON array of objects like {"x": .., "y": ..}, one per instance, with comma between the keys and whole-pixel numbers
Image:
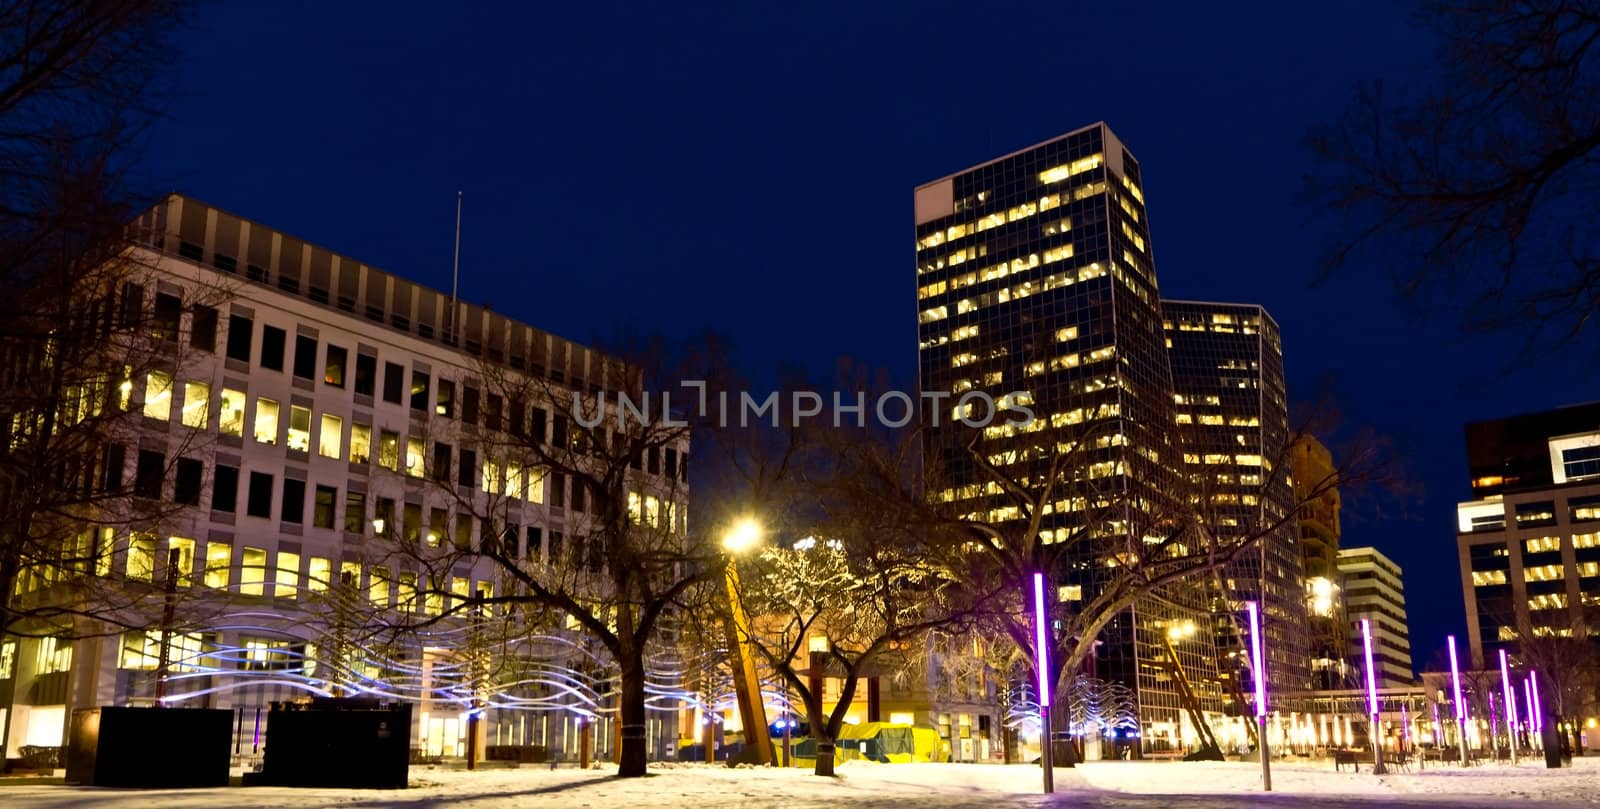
[
  {"x": 1529, "y": 543},
  {"x": 1233, "y": 417},
  {"x": 1316, "y": 491},
  {"x": 1373, "y": 591}
]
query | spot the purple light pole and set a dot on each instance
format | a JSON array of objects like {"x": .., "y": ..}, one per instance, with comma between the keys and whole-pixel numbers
[
  {"x": 1511, "y": 706},
  {"x": 1258, "y": 672},
  {"x": 1527, "y": 701},
  {"x": 1538, "y": 707},
  {"x": 1042, "y": 658},
  {"x": 1372, "y": 699},
  {"x": 1461, "y": 707}
]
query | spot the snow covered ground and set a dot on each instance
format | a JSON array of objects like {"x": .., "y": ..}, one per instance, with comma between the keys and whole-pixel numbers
[{"x": 1109, "y": 785}]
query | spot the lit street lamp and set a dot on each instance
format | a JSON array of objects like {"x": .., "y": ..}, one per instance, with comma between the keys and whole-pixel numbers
[
  {"x": 741, "y": 537},
  {"x": 1258, "y": 672}
]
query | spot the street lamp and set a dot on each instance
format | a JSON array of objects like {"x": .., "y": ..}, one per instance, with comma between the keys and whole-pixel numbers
[
  {"x": 1461, "y": 707},
  {"x": 742, "y": 536}
]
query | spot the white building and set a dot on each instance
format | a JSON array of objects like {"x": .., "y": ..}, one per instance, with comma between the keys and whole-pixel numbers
[
  {"x": 318, "y": 415},
  {"x": 1373, "y": 591}
]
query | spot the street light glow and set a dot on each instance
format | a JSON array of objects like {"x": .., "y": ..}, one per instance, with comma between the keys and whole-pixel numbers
[
  {"x": 1258, "y": 666},
  {"x": 744, "y": 535},
  {"x": 1372, "y": 676}
]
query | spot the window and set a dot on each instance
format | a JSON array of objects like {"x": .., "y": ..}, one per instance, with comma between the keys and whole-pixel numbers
[
  {"x": 319, "y": 574},
  {"x": 360, "y": 444},
  {"x": 437, "y": 520},
  {"x": 186, "y": 484},
  {"x": 299, "y": 428},
  {"x": 1542, "y": 513},
  {"x": 419, "y": 391},
  {"x": 469, "y": 405},
  {"x": 366, "y": 374},
  {"x": 225, "y": 489},
  {"x": 1585, "y": 508},
  {"x": 378, "y": 589},
  {"x": 272, "y": 342},
  {"x": 333, "y": 368},
  {"x": 383, "y": 521},
  {"x": 203, "y": 329},
  {"x": 535, "y": 485},
  {"x": 558, "y": 491},
  {"x": 259, "y": 503},
  {"x": 411, "y": 523},
  {"x": 141, "y": 651},
  {"x": 132, "y": 304},
  {"x": 1581, "y": 462},
  {"x": 467, "y": 473},
  {"x": 196, "y": 404},
  {"x": 252, "y": 571},
  {"x": 393, "y": 382},
  {"x": 288, "y": 578},
  {"x": 414, "y": 457},
  {"x": 441, "y": 462},
  {"x": 147, "y": 476},
  {"x": 294, "y": 501},
  {"x": 405, "y": 592},
  {"x": 266, "y": 655},
  {"x": 158, "y": 395},
  {"x": 164, "y": 326},
  {"x": 266, "y": 428},
  {"x": 445, "y": 400},
  {"x": 141, "y": 562},
  {"x": 464, "y": 531},
  {"x": 219, "y": 555},
  {"x": 355, "y": 512},
  {"x": 536, "y": 426},
  {"x": 322, "y": 507},
  {"x": 239, "y": 329},
  {"x": 305, "y": 357},
  {"x": 330, "y": 437},
  {"x": 494, "y": 409},
  {"x": 389, "y": 450},
  {"x": 230, "y": 419}
]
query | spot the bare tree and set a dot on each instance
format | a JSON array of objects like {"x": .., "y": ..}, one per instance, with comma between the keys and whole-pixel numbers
[{"x": 1482, "y": 185}]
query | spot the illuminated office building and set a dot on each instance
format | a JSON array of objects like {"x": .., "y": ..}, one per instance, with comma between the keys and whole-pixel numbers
[
  {"x": 1233, "y": 422},
  {"x": 1035, "y": 274},
  {"x": 1374, "y": 591},
  {"x": 1529, "y": 541}
]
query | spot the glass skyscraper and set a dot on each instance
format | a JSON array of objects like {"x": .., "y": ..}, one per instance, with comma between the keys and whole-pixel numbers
[{"x": 1035, "y": 279}]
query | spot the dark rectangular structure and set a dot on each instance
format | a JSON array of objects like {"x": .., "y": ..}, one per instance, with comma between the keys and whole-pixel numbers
[
  {"x": 149, "y": 748},
  {"x": 352, "y": 743}
]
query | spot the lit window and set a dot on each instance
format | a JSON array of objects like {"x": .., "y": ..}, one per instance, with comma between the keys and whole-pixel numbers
[
  {"x": 230, "y": 421},
  {"x": 414, "y": 457},
  {"x": 535, "y": 485},
  {"x": 514, "y": 481},
  {"x": 141, "y": 563},
  {"x": 1586, "y": 540},
  {"x": 252, "y": 571},
  {"x": 299, "y": 428},
  {"x": 378, "y": 587},
  {"x": 266, "y": 429},
  {"x": 389, "y": 450},
  {"x": 185, "y": 564},
  {"x": 158, "y": 395},
  {"x": 196, "y": 404},
  {"x": 288, "y": 578},
  {"x": 1059, "y": 173},
  {"x": 492, "y": 479},
  {"x": 1541, "y": 544},
  {"x": 405, "y": 592},
  {"x": 635, "y": 507},
  {"x": 1543, "y": 573},
  {"x": 936, "y": 313},
  {"x": 219, "y": 555},
  {"x": 360, "y": 444},
  {"x": 331, "y": 436}
]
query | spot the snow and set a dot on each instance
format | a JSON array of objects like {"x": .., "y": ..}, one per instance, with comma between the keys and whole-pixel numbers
[{"x": 1119, "y": 784}]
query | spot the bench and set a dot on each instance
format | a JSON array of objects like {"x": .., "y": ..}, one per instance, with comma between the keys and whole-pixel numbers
[{"x": 1343, "y": 757}]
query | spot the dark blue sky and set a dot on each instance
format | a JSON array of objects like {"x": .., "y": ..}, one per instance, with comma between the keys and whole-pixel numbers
[{"x": 750, "y": 168}]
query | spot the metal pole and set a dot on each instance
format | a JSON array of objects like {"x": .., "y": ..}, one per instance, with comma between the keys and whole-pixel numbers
[
  {"x": 1258, "y": 673},
  {"x": 455, "y": 277},
  {"x": 747, "y": 684},
  {"x": 1047, "y": 760}
]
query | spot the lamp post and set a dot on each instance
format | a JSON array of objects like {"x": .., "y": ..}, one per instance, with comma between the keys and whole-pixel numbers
[
  {"x": 1258, "y": 673},
  {"x": 1372, "y": 699},
  {"x": 1511, "y": 706},
  {"x": 742, "y": 536},
  {"x": 1047, "y": 761},
  {"x": 1538, "y": 707},
  {"x": 1461, "y": 707}
]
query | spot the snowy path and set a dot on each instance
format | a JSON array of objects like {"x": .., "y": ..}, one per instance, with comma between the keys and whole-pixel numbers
[{"x": 1100, "y": 785}]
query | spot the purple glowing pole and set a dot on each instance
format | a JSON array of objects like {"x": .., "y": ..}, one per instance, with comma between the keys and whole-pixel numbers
[
  {"x": 1258, "y": 672},
  {"x": 1372, "y": 698},
  {"x": 1527, "y": 701},
  {"x": 1510, "y": 706},
  {"x": 1042, "y": 658},
  {"x": 1538, "y": 707},
  {"x": 1461, "y": 707}
]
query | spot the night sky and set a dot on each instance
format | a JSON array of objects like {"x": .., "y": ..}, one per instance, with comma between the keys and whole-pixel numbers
[{"x": 749, "y": 169}]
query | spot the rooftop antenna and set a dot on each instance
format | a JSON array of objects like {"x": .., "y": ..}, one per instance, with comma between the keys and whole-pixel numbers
[{"x": 455, "y": 275}]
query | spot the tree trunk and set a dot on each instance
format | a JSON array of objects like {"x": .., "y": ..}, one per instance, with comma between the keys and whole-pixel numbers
[
  {"x": 824, "y": 757},
  {"x": 631, "y": 713}
]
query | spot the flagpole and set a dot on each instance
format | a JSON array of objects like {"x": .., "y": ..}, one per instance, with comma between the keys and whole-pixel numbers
[{"x": 455, "y": 277}]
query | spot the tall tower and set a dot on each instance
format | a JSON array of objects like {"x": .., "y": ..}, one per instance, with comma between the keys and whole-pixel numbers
[
  {"x": 1034, "y": 275},
  {"x": 1233, "y": 421}
]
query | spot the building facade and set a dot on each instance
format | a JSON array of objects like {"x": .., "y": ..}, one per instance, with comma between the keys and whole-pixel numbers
[
  {"x": 1233, "y": 420},
  {"x": 1529, "y": 540},
  {"x": 1316, "y": 492},
  {"x": 329, "y": 449},
  {"x": 1373, "y": 591},
  {"x": 1035, "y": 279}
]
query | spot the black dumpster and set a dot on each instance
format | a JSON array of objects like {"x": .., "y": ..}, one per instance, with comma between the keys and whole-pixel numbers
[
  {"x": 355, "y": 743},
  {"x": 149, "y": 747}
]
